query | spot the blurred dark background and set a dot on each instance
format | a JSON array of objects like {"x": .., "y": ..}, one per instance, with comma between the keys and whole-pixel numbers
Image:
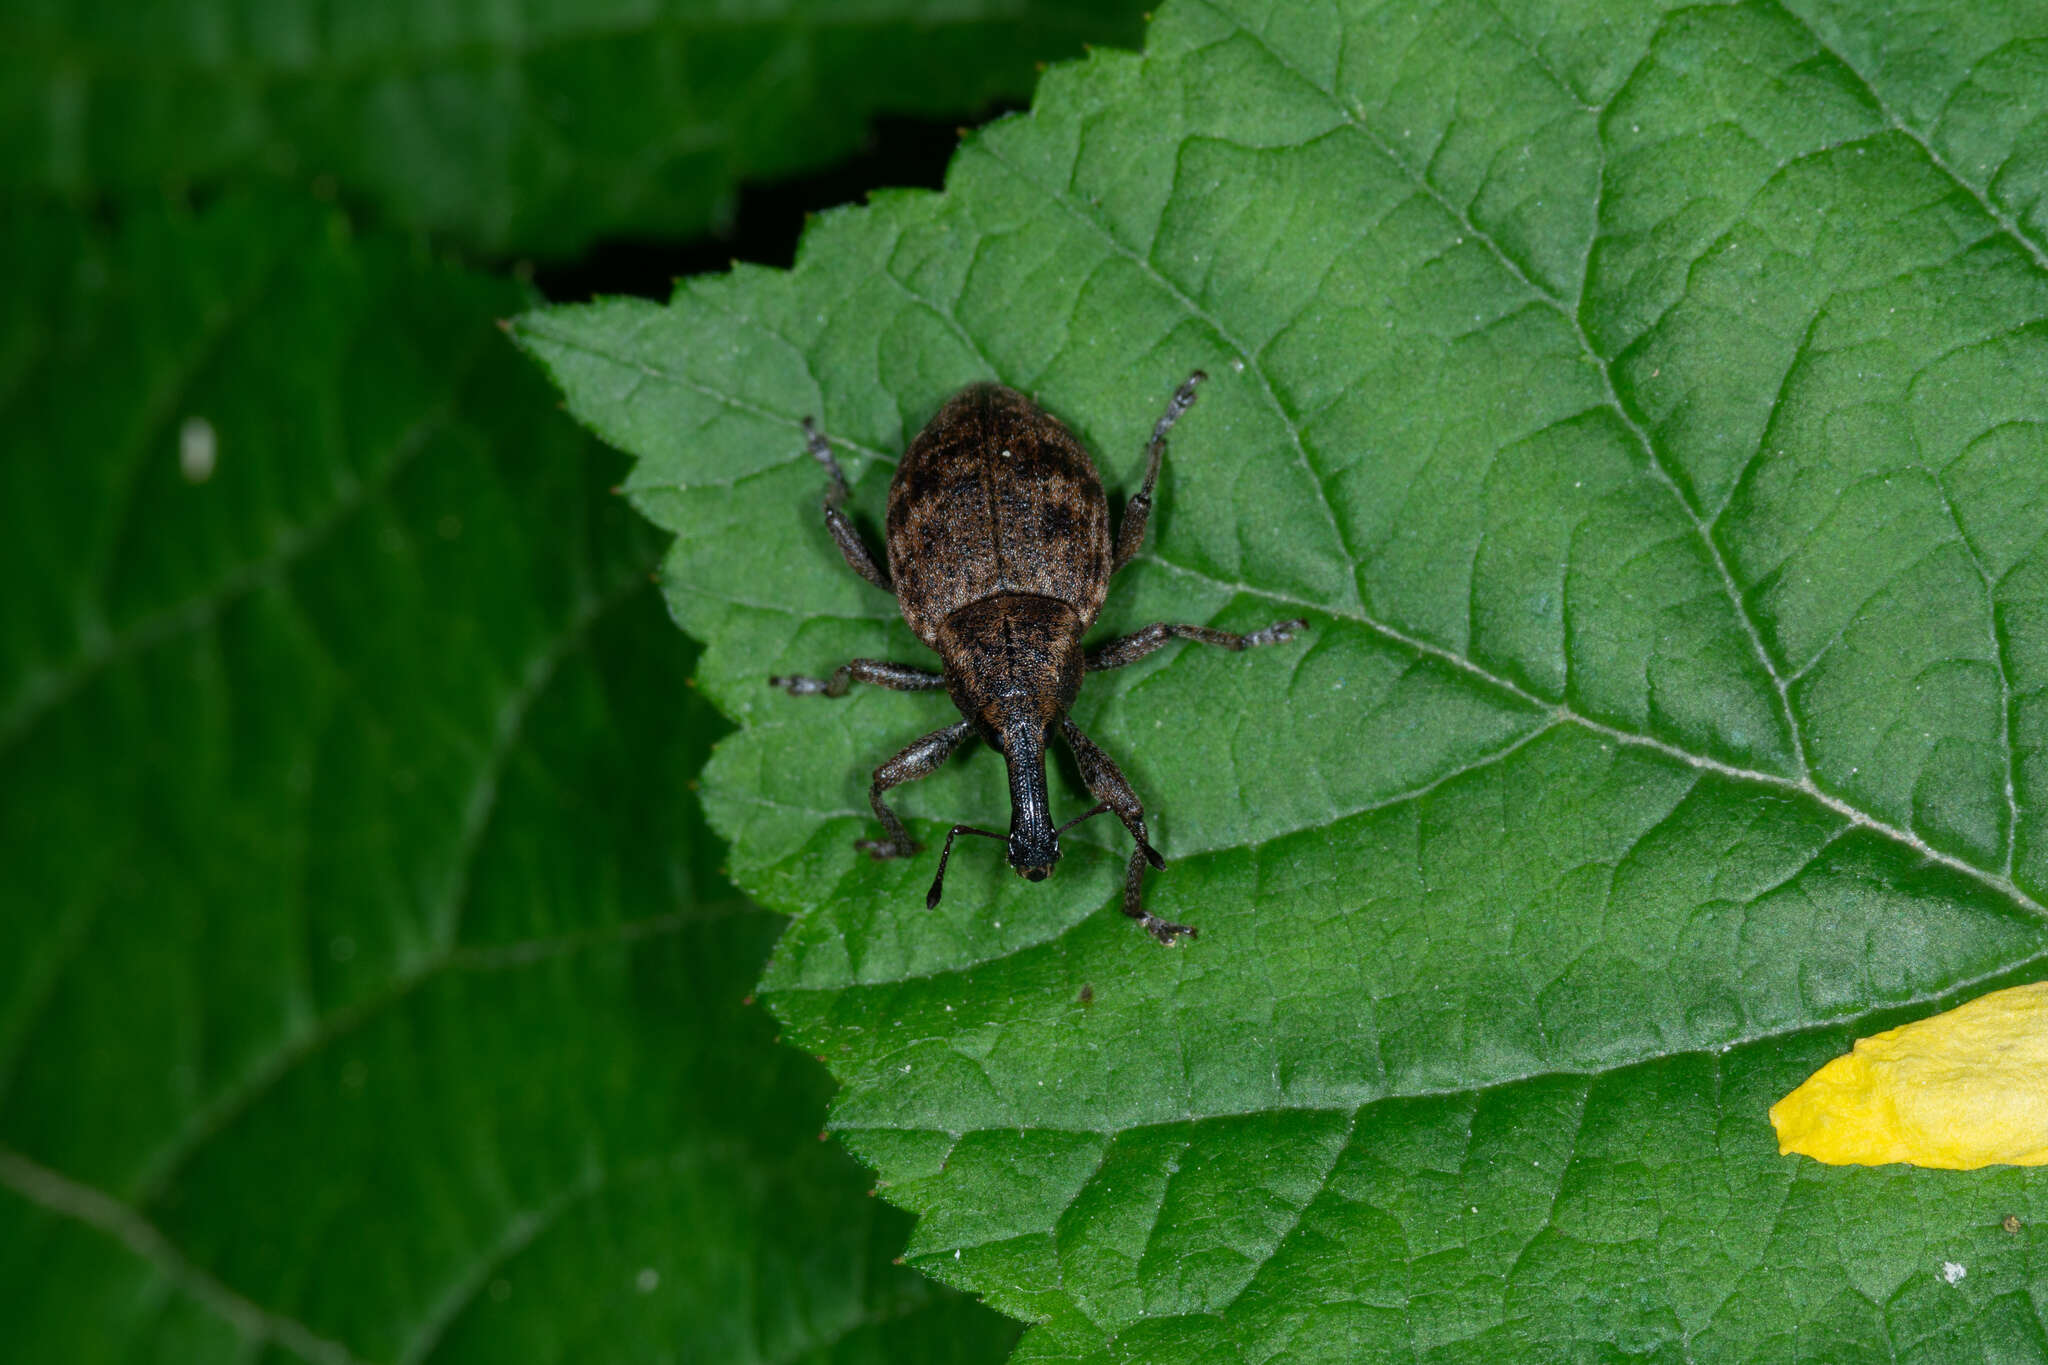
[
  {"x": 900, "y": 153},
  {"x": 370, "y": 986}
]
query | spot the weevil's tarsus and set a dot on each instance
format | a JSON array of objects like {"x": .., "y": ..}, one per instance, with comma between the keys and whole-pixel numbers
[
  {"x": 1166, "y": 931},
  {"x": 819, "y": 446},
  {"x": 880, "y": 672},
  {"x": 921, "y": 758},
  {"x": 1128, "y": 649},
  {"x": 843, "y": 533},
  {"x": 1130, "y": 535}
]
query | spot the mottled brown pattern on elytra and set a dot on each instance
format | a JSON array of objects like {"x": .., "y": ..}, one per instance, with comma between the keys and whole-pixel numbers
[
  {"x": 1000, "y": 558},
  {"x": 995, "y": 495}
]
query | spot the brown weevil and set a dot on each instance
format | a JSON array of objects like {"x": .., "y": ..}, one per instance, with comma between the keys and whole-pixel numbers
[{"x": 1000, "y": 557}]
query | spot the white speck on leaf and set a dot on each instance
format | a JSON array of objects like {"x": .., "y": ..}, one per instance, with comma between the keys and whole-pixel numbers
[
  {"x": 647, "y": 1280},
  {"x": 198, "y": 449},
  {"x": 1952, "y": 1272}
]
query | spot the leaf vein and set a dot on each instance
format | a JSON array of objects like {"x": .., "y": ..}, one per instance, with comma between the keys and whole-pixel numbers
[
  {"x": 59, "y": 1194},
  {"x": 259, "y": 1078},
  {"x": 1656, "y": 466},
  {"x": 1253, "y": 362},
  {"x": 1997, "y": 213}
]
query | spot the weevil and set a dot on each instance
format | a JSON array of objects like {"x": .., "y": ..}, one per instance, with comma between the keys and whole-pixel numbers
[{"x": 1000, "y": 557}]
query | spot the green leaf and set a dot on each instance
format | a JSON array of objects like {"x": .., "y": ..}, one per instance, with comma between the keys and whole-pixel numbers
[
  {"x": 1647, "y": 411},
  {"x": 365, "y": 989},
  {"x": 523, "y": 128}
]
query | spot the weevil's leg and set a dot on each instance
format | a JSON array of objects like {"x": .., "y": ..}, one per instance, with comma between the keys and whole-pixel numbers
[
  {"x": 1106, "y": 783},
  {"x": 1128, "y": 649},
  {"x": 921, "y": 759},
  {"x": 882, "y": 673},
  {"x": 1131, "y": 534},
  {"x": 850, "y": 544}
]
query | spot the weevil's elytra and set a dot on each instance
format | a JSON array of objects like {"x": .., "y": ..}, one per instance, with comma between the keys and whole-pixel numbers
[{"x": 1000, "y": 557}]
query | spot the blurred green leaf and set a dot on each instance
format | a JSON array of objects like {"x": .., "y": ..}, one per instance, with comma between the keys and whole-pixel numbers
[
  {"x": 365, "y": 990},
  {"x": 1648, "y": 412},
  {"x": 529, "y": 128}
]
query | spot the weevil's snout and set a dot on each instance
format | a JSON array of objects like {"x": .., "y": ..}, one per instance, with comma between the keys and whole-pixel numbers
[
  {"x": 1033, "y": 852},
  {"x": 1034, "y": 844}
]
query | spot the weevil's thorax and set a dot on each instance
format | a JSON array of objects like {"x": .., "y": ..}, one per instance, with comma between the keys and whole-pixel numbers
[{"x": 1013, "y": 665}]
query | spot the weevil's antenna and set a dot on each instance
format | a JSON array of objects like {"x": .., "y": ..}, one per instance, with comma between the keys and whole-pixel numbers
[
  {"x": 931, "y": 897},
  {"x": 1084, "y": 815}
]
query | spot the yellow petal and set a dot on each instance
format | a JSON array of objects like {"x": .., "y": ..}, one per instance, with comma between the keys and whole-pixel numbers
[{"x": 1960, "y": 1090}]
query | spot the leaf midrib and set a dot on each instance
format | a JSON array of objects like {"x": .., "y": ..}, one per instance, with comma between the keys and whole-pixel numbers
[
  {"x": 1562, "y": 712},
  {"x": 1805, "y": 787}
]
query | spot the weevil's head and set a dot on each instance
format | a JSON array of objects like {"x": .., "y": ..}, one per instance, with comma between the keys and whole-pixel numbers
[{"x": 1034, "y": 848}]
